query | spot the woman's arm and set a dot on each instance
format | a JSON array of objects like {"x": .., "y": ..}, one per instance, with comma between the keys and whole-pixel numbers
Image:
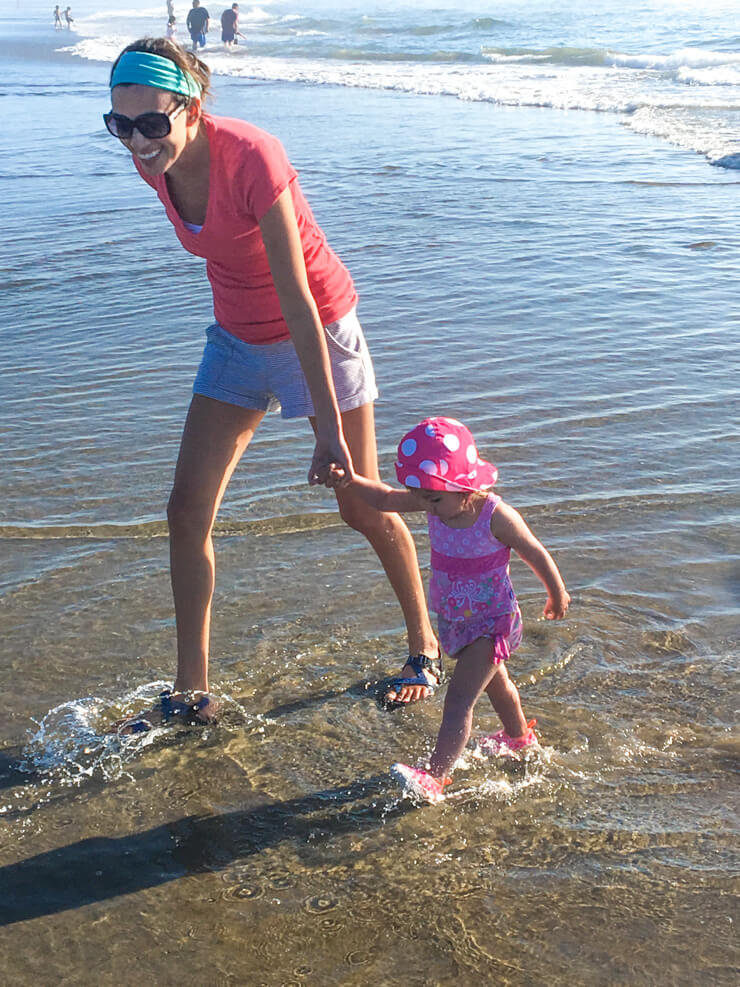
[
  {"x": 510, "y": 528},
  {"x": 282, "y": 242}
]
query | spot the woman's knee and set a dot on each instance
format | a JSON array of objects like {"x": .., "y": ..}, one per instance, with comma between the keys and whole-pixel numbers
[
  {"x": 364, "y": 519},
  {"x": 187, "y": 515}
]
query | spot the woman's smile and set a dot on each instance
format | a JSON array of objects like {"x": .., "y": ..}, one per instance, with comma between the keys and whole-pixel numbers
[{"x": 155, "y": 155}]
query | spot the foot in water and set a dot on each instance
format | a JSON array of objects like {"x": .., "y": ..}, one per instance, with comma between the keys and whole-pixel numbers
[
  {"x": 419, "y": 784},
  {"x": 418, "y": 680},
  {"x": 500, "y": 744},
  {"x": 179, "y": 708}
]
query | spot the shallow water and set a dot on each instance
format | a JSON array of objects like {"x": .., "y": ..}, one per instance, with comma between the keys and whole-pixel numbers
[{"x": 566, "y": 288}]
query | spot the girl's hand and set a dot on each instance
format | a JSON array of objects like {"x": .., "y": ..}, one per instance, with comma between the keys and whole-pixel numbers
[
  {"x": 336, "y": 478},
  {"x": 557, "y": 605}
]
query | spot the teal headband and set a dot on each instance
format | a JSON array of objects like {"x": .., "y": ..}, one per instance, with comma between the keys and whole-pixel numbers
[{"x": 145, "y": 69}]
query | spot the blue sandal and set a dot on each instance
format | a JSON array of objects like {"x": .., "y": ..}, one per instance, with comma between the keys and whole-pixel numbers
[
  {"x": 182, "y": 710},
  {"x": 418, "y": 663},
  {"x": 171, "y": 710}
]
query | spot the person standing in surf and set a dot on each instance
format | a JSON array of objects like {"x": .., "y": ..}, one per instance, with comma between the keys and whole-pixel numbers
[
  {"x": 230, "y": 26},
  {"x": 286, "y": 334},
  {"x": 197, "y": 24}
]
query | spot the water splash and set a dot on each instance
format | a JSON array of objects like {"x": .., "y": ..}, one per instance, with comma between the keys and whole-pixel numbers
[{"x": 78, "y": 740}]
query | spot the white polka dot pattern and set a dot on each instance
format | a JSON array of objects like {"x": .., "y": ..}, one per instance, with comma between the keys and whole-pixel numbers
[{"x": 438, "y": 455}]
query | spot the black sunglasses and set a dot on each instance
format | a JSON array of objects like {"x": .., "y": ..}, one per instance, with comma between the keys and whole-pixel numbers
[{"x": 153, "y": 126}]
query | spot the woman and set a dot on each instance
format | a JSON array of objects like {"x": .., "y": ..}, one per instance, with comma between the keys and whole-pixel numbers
[{"x": 286, "y": 333}]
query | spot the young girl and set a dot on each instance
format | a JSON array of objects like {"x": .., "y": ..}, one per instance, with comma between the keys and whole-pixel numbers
[{"x": 471, "y": 532}]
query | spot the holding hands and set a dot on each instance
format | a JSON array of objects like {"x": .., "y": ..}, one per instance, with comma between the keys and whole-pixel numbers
[{"x": 331, "y": 464}]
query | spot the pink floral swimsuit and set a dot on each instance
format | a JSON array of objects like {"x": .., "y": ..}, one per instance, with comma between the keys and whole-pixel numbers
[{"x": 470, "y": 589}]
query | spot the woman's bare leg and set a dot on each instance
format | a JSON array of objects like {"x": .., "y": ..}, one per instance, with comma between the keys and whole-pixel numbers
[
  {"x": 392, "y": 541},
  {"x": 213, "y": 441}
]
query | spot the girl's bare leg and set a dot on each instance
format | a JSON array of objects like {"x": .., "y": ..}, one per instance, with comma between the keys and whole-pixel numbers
[
  {"x": 472, "y": 675},
  {"x": 392, "y": 541},
  {"x": 504, "y": 697},
  {"x": 213, "y": 441}
]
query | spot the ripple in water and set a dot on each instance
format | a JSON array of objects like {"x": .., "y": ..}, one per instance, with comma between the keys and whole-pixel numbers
[{"x": 319, "y": 904}]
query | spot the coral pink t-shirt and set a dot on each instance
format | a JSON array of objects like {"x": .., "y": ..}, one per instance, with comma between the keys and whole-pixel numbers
[{"x": 249, "y": 170}]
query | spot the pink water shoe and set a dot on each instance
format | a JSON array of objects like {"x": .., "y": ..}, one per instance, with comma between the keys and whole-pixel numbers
[
  {"x": 420, "y": 784},
  {"x": 500, "y": 744}
]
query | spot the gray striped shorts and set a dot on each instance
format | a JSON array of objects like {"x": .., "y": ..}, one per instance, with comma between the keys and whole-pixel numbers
[{"x": 268, "y": 377}]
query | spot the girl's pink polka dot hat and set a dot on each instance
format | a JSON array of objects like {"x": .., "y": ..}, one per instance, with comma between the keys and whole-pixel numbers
[{"x": 440, "y": 454}]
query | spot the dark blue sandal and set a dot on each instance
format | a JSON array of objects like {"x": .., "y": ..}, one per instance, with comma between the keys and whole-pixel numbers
[
  {"x": 172, "y": 712},
  {"x": 182, "y": 710},
  {"x": 418, "y": 663}
]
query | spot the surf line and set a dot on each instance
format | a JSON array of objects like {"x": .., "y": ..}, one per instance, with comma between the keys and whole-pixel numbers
[{"x": 288, "y": 524}]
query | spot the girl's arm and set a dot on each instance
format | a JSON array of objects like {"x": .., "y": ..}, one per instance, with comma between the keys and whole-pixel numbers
[
  {"x": 285, "y": 256},
  {"x": 379, "y": 495},
  {"x": 510, "y": 528}
]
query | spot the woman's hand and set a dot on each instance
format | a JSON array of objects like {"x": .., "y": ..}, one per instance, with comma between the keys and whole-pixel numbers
[{"x": 332, "y": 463}]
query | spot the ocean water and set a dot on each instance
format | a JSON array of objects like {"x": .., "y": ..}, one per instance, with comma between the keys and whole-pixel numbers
[{"x": 539, "y": 207}]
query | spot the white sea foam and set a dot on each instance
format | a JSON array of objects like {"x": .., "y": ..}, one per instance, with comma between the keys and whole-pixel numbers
[
  {"x": 255, "y": 15},
  {"x": 721, "y": 75},
  {"x": 684, "y": 58},
  {"x": 669, "y": 95}
]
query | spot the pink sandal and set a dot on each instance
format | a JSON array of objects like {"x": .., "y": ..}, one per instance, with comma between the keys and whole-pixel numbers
[
  {"x": 500, "y": 744},
  {"x": 419, "y": 784}
]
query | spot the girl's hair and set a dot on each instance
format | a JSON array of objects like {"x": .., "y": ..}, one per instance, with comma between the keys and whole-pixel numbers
[
  {"x": 186, "y": 60},
  {"x": 475, "y": 496},
  {"x": 469, "y": 496}
]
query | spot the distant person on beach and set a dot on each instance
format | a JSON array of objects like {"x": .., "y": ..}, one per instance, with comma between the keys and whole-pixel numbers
[
  {"x": 286, "y": 334},
  {"x": 230, "y": 25},
  {"x": 171, "y": 26},
  {"x": 57, "y": 18},
  {"x": 68, "y": 18},
  {"x": 471, "y": 532},
  {"x": 197, "y": 23}
]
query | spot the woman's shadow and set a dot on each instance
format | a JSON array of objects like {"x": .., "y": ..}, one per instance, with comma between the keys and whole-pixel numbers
[{"x": 102, "y": 868}]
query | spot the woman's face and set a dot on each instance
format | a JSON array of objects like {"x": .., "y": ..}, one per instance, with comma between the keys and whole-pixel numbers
[{"x": 155, "y": 155}]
